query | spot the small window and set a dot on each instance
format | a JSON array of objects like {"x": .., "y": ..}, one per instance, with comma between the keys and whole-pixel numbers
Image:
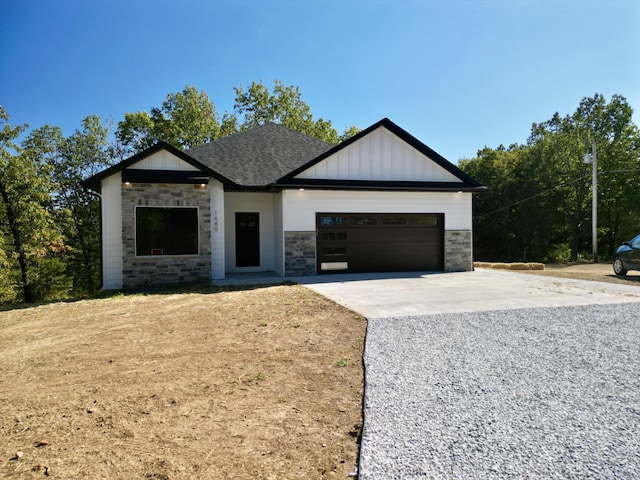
[
  {"x": 424, "y": 220},
  {"x": 334, "y": 251},
  {"x": 334, "y": 235},
  {"x": 364, "y": 221},
  {"x": 394, "y": 220},
  {"x": 333, "y": 220},
  {"x": 166, "y": 231}
]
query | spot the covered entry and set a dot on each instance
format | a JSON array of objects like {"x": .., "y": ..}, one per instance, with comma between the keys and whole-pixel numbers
[{"x": 400, "y": 242}]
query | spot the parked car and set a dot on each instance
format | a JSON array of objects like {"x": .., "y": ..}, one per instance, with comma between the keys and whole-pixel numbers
[{"x": 627, "y": 257}]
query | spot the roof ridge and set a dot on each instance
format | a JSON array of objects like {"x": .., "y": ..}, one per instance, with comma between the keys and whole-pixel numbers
[{"x": 259, "y": 127}]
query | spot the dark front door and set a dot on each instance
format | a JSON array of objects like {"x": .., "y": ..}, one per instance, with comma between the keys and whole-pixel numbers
[{"x": 247, "y": 239}]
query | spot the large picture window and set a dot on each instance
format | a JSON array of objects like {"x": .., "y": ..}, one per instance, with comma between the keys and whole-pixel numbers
[{"x": 166, "y": 231}]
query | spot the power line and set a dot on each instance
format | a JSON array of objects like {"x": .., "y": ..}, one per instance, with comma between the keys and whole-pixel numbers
[{"x": 547, "y": 191}]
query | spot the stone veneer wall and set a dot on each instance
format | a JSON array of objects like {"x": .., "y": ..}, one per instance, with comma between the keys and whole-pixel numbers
[
  {"x": 458, "y": 251},
  {"x": 162, "y": 270},
  {"x": 299, "y": 253}
]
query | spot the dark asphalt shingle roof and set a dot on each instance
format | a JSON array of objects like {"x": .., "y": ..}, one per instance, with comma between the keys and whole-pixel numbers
[
  {"x": 259, "y": 156},
  {"x": 272, "y": 155}
]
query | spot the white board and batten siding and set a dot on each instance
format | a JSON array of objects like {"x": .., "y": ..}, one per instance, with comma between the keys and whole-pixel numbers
[
  {"x": 299, "y": 207},
  {"x": 163, "y": 160},
  {"x": 381, "y": 155},
  {"x": 112, "y": 232}
]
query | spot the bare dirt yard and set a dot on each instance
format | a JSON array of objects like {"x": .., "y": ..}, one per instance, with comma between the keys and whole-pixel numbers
[
  {"x": 601, "y": 272},
  {"x": 260, "y": 383}
]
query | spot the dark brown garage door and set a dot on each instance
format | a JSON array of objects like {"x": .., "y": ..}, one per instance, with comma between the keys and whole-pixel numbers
[{"x": 350, "y": 242}]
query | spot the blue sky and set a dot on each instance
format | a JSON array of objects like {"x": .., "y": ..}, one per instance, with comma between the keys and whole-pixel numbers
[{"x": 457, "y": 74}]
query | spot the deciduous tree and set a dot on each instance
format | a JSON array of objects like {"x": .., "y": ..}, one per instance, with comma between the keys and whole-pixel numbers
[
  {"x": 189, "y": 118},
  {"x": 25, "y": 203},
  {"x": 82, "y": 154},
  {"x": 256, "y": 105},
  {"x": 185, "y": 119},
  {"x": 539, "y": 203}
]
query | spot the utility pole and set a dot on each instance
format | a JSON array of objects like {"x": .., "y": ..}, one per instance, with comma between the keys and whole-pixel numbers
[{"x": 593, "y": 160}]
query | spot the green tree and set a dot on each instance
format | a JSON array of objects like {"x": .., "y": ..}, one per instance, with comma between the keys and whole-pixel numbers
[
  {"x": 556, "y": 150},
  {"x": 7, "y": 146},
  {"x": 76, "y": 209},
  {"x": 185, "y": 119},
  {"x": 189, "y": 118},
  {"x": 26, "y": 213},
  {"x": 256, "y": 105},
  {"x": 498, "y": 214},
  {"x": 539, "y": 203},
  {"x": 84, "y": 153},
  {"x": 618, "y": 147},
  {"x": 137, "y": 132}
]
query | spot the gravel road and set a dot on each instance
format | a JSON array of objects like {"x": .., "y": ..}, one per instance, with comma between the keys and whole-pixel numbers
[{"x": 530, "y": 393}]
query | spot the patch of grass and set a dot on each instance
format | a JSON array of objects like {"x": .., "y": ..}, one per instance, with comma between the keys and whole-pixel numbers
[
  {"x": 343, "y": 362},
  {"x": 255, "y": 378}
]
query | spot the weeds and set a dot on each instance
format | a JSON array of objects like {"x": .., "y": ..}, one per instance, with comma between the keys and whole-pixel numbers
[{"x": 343, "y": 362}]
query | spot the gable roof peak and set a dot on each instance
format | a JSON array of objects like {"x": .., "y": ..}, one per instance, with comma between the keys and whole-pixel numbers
[{"x": 402, "y": 135}]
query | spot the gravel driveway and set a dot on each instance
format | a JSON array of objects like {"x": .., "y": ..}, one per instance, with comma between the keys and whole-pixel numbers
[
  {"x": 484, "y": 375},
  {"x": 530, "y": 393}
]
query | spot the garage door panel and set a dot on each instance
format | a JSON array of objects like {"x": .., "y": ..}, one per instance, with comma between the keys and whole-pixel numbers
[{"x": 379, "y": 242}]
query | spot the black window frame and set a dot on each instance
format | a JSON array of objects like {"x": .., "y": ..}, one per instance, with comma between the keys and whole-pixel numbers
[{"x": 175, "y": 242}]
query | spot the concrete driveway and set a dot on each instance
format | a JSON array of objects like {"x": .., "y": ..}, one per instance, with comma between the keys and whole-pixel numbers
[
  {"x": 403, "y": 294},
  {"x": 494, "y": 375}
]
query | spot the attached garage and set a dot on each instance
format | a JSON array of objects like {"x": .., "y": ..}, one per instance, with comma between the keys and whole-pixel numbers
[
  {"x": 273, "y": 199},
  {"x": 385, "y": 242}
]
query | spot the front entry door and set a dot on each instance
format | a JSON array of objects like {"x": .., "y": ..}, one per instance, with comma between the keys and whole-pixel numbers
[{"x": 247, "y": 239}]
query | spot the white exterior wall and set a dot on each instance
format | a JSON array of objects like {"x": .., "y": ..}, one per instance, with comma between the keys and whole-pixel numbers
[
  {"x": 300, "y": 207},
  {"x": 216, "y": 190},
  {"x": 381, "y": 155},
  {"x": 278, "y": 235},
  {"x": 164, "y": 160},
  {"x": 262, "y": 203},
  {"x": 112, "y": 232}
]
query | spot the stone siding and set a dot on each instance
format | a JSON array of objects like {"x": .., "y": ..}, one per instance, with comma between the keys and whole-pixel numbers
[
  {"x": 165, "y": 269},
  {"x": 458, "y": 251},
  {"x": 299, "y": 253}
]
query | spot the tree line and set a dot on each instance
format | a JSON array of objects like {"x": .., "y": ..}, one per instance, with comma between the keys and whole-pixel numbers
[
  {"x": 538, "y": 206},
  {"x": 50, "y": 222}
]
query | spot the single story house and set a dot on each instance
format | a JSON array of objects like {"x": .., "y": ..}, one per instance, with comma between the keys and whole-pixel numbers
[{"x": 272, "y": 199}]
